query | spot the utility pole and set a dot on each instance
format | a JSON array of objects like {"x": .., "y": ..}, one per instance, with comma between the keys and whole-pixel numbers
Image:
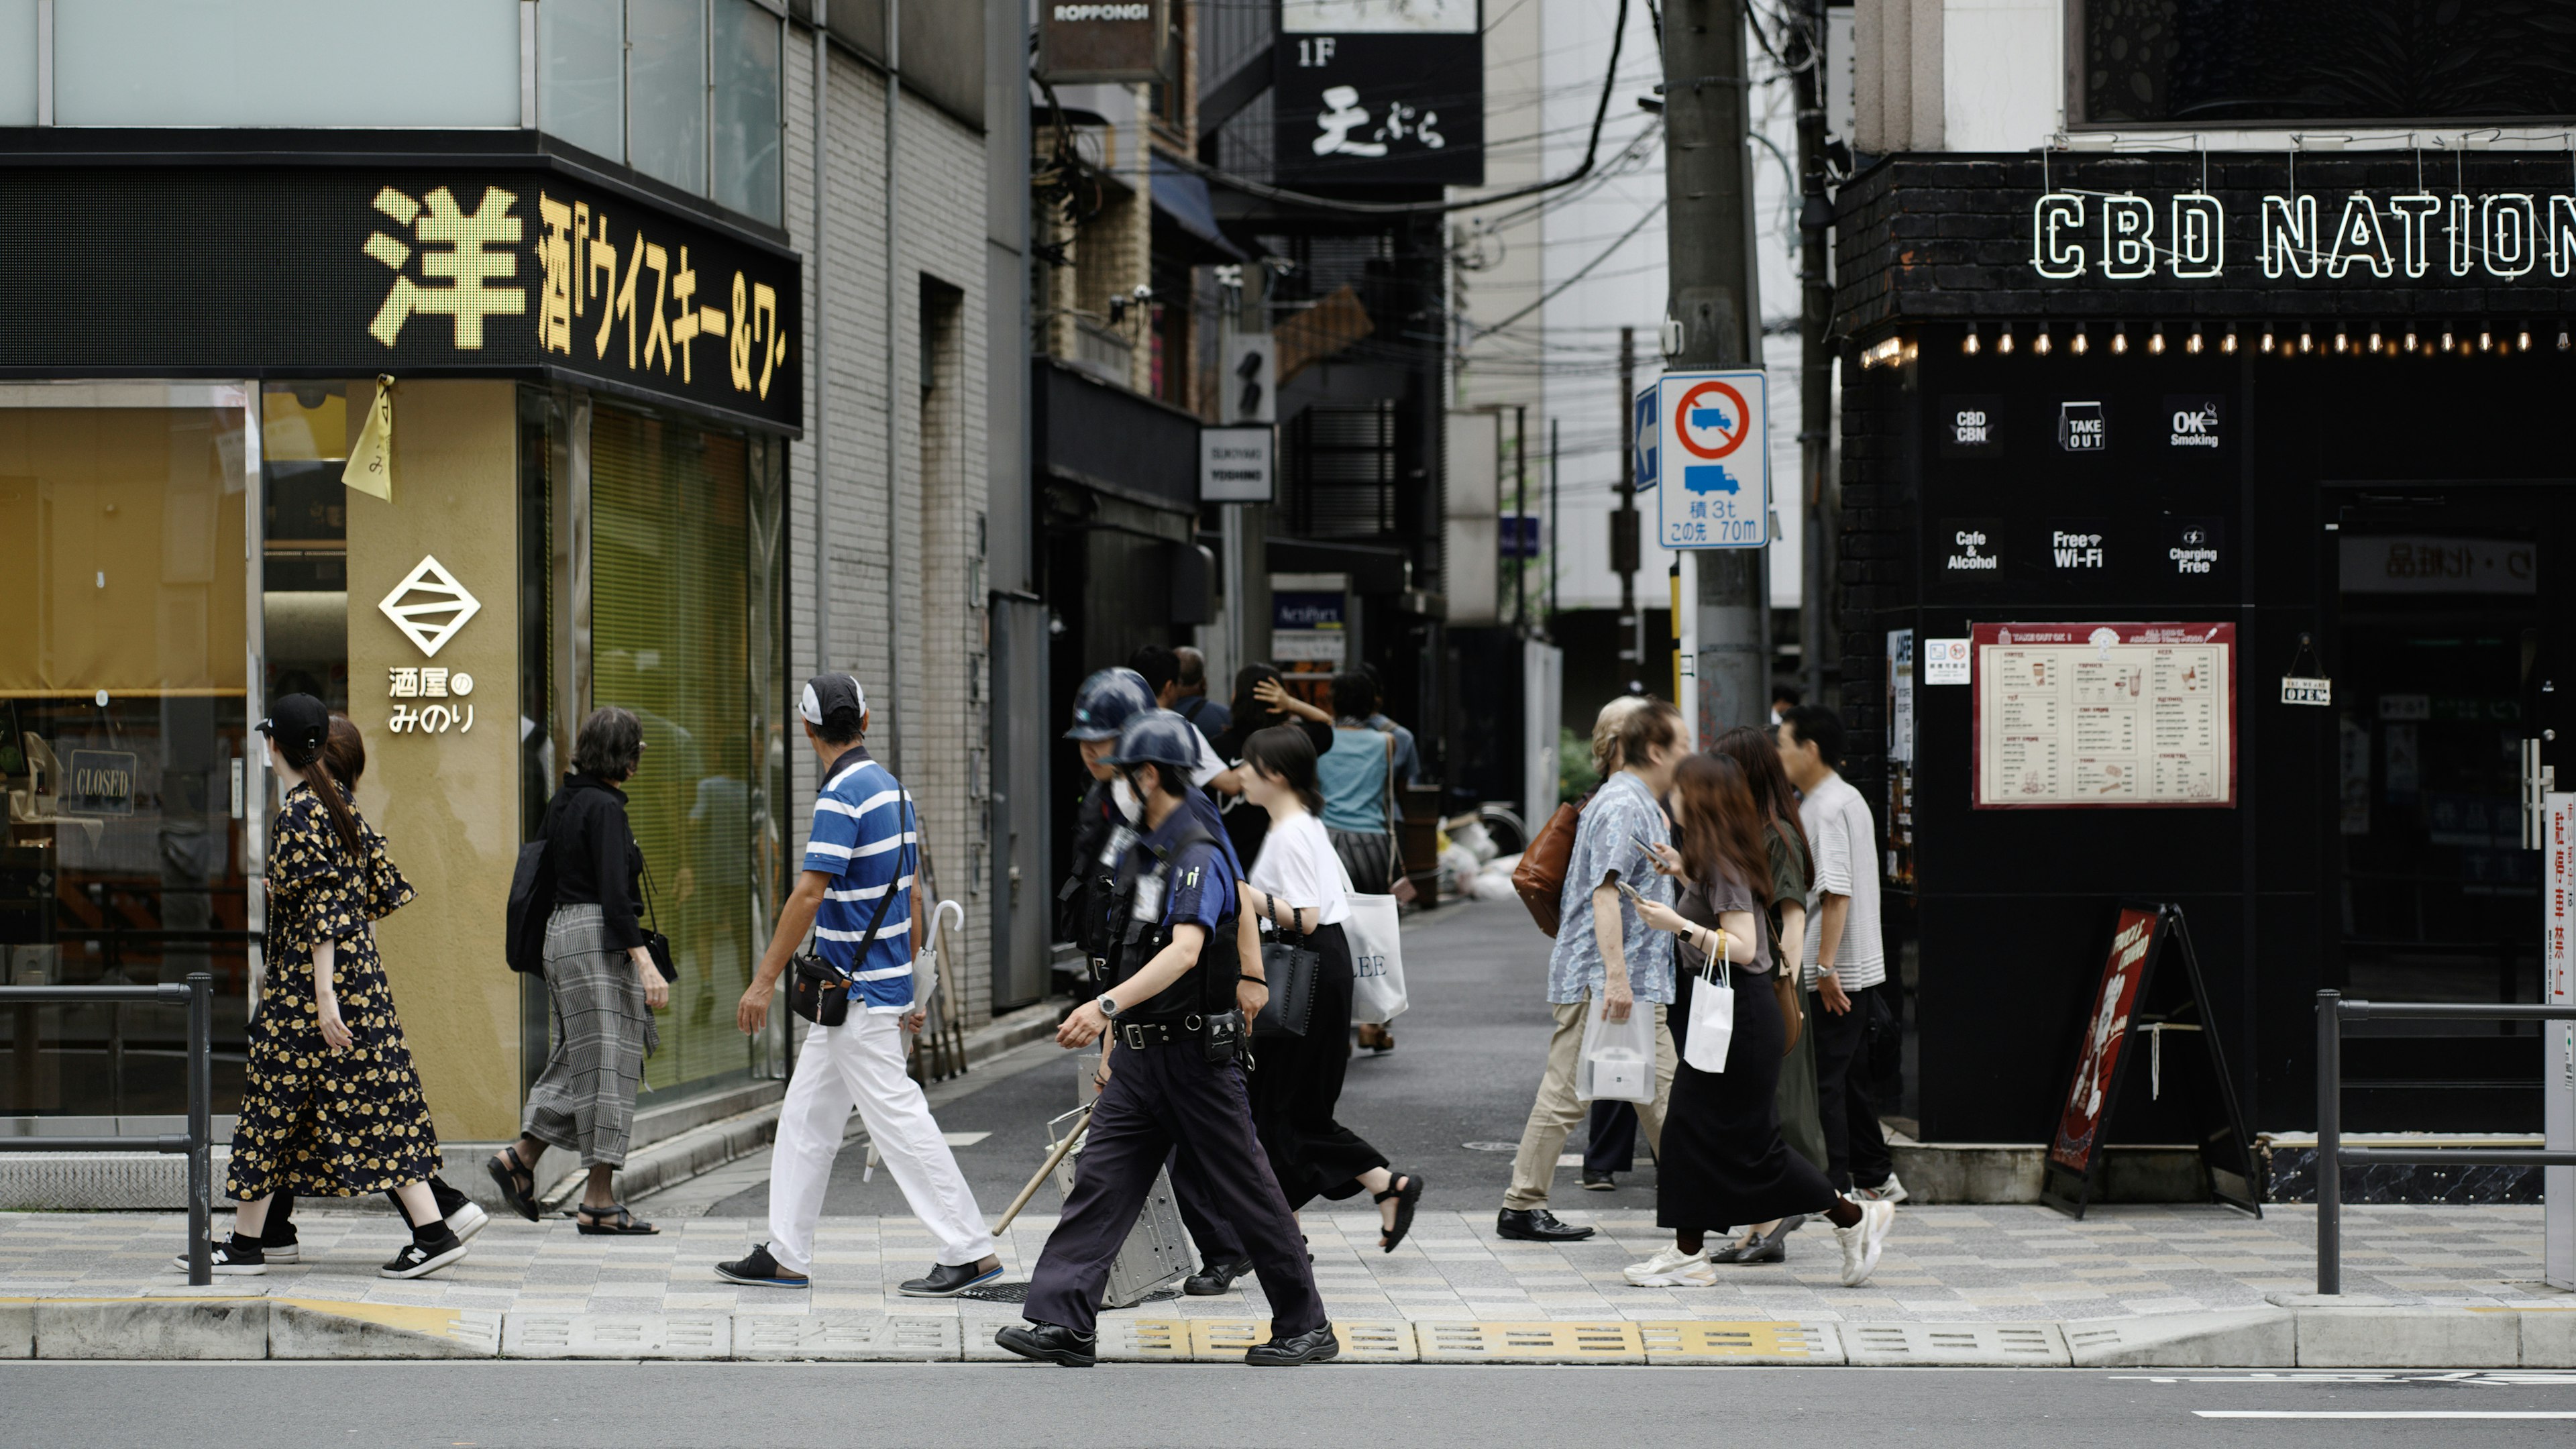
[
  {"x": 1806, "y": 56},
  {"x": 1713, "y": 320},
  {"x": 1623, "y": 523}
]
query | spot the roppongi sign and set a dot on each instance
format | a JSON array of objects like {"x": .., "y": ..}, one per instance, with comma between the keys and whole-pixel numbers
[{"x": 2497, "y": 236}]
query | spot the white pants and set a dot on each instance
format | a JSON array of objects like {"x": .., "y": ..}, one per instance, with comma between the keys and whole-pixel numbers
[{"x": 861, "y": 1063}]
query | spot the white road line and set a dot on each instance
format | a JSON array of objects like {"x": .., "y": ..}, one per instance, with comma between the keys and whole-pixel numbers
[{"x": 2376, "y": 1414}]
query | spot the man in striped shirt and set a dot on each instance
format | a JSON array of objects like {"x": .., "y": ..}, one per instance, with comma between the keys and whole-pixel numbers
[{"x": 856, "y": 892}]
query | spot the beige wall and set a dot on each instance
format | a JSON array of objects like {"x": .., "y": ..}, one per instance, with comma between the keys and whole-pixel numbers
[{"x": 448, "y": 804}]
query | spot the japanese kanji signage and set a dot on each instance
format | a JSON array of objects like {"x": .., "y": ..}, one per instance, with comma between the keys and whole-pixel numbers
[
  {"x": 459, "y": 270},
  {"x": 1367, "y": 91}
]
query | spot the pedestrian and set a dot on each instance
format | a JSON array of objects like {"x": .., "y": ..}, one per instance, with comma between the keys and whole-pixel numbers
[
  {"x": 331, "y": 1103},
  {"x": 1722, "y": 1159},
  {"x": 1190, "y": 695},
  {"x": 1604, "y": 952},
  {"x": 1408, "y": 757},
  {"x": 600, "y": 981},
  {"x": 1104, "y": 826},
  {"x": 1168, "y": 1076},
  {"x": 1844, "y": 958},
  {"x": 858, "y": 896},
  {"x": 1262, "y": 702},
  {"x": 1784, "y": 698},
  {"x": 344, "y": 754},
  {"x": 1358, "y": 775},
  {"x": 1160, "y": 668},
  {"x": 1784, "y": 843},
  {"x": 1296, "y": 893},
  {"x": 1611, "y": 1147}
]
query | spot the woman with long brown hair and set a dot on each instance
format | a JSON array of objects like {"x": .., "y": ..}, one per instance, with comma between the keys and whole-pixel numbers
[
  {"x": 1722, "y": 1159},
  {"x": 331, "y": 1104},
  {"x": 1785, "y": 840}
]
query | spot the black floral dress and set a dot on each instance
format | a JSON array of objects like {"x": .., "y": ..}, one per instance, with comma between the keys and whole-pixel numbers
[{"x": 314, "y": 1121}]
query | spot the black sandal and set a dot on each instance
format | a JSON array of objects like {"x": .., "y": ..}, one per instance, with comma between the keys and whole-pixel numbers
[
  {"x": 612, "y": 1221},
  {"x": 517, "y": 1180},
  {"x": 1407, "y": 1198}
]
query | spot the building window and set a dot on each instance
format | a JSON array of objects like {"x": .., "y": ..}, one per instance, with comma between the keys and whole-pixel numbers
[
  {"x": 2222, "y": 62},
  {"x": 744, "y": 67},
  {"x": 581, "y": 78},
  {"x": 666, "y": 91},
  {"x": 686, "y": 91}
]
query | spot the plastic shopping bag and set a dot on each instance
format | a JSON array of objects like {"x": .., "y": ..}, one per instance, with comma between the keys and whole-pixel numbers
[
  {"x": 1618, "y": 1063},
  {"x": 1712, "y": 1020},
  {"x": 1377, "y": 959}
]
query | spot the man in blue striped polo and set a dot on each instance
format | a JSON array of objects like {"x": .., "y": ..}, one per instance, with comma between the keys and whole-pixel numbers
[{"x": 856, "y": 893}]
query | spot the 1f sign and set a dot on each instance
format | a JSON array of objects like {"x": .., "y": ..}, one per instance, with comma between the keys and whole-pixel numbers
[{"x": 1713, "y": 460}]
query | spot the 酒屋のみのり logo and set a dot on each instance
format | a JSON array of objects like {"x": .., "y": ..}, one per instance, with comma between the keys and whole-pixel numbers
[{"x": 429, "y": 606}]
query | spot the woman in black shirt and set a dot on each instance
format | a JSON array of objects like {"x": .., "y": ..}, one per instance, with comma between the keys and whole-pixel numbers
[{"x": 600, "y": 981}]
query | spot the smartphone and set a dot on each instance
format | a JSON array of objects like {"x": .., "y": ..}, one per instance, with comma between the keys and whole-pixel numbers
[{"x": 1629, "y": 891}]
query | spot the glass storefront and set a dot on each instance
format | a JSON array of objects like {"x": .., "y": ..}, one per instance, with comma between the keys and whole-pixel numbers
[{"x": 122, "y": 669}]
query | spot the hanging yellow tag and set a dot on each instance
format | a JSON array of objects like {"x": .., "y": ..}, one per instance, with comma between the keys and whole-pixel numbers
[{"x": 371, "y": 458}]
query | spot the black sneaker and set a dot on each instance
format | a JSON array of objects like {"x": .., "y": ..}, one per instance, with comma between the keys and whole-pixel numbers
[
  {"x": 233, "y": 1256},
  {"x": 1050, "y": 1343},
  {"x": 424, "y": 1254},
  {"x": 1536, "y": 1225},
  {"x": 756, "y": 1269},
  {"x": 946, "y": 1280},
  {"x": 1313, "y": 1346},
  {"x": 1599, "y": 1181}
]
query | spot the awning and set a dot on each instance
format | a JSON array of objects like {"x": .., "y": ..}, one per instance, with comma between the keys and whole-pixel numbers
[{"x": 1184, "y": 198}]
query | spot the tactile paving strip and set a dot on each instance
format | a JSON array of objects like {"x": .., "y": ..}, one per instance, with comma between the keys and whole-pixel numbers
[
  {"x": 1968, "y": 1344},
  {"x": 1713, "y": 1342},
  {"x": 1530, "y": 1342},
  {"x": 1145, "y": 1340}
]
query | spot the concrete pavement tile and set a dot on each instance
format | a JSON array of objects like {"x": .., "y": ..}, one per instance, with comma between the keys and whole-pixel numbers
[
  {"x": 621, "y": 1335},
  {"x": 2548, "y": 1336},
  {"x": 1981, "y": 1343},
  {"x": 17, "y": 1330}
]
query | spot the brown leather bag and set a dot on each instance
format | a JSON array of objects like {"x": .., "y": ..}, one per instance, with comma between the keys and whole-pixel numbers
[
  {"x": 1540, "y": 877},
  {"x": 1790, "y": 1017}
]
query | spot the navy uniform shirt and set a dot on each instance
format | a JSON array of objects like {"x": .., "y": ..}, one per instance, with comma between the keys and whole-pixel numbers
[{"x": 1167, "y": 884}]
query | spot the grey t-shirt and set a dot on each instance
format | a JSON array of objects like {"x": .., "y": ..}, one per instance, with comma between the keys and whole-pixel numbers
[{"x": 1702, "y": 904}]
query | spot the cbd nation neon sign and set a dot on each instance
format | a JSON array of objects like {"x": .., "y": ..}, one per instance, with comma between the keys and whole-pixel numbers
[{"x": 2131, "y": 239}]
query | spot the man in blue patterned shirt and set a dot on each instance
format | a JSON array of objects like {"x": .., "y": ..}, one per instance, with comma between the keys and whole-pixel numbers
[{"x": 1606, "y": 954}]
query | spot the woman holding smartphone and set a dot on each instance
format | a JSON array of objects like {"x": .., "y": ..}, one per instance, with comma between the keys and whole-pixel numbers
[{"x": 1723, "y": 1160}]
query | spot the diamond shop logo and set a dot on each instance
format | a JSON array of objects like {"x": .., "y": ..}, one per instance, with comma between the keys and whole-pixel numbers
[{"x": 429, "y": 606}]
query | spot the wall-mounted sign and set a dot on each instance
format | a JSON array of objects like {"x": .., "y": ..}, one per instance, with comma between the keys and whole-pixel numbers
[
  {"x": 1234, "y": 465},
  {"x": 2429, "y": 564},
  {"x": 1970, "y": 427},
  {"x": 1390, "y": 92},
  {"x": 1122, "y": 41},
  {"x": 98, "y": 782},
  {"x": 1308, "y": 625},
  {"x": 2194, "y": 546},
  {"x": 429, "y": 606},
  {"x": 2076, "y": 547},
  {"x": 2444, "y": 237},
  {"x": 2191, "y": 420},
  {"x": 2081, "y": 428},
  {"x": 524, "y": 272},
  {"x": 1971, "y": 545},
  {"x": 1249, "y": 391},
  {"x": 1945, "y": 661},
  {"x": 1712, "y": 428},
  {"x": 2295, "y": 690},
  {"x": 2091, "y": 715}
]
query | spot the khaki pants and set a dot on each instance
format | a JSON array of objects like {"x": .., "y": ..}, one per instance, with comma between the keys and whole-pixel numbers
[{"x": 1556, "y": 1111}]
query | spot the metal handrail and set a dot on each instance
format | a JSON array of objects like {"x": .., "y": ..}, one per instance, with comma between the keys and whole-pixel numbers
[
  {"x": 2332, "y": 1009},
  {"x": 198, "y": 995}
]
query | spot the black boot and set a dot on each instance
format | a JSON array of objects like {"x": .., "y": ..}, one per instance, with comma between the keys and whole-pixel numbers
[{"x": 1051, "y": 1343}]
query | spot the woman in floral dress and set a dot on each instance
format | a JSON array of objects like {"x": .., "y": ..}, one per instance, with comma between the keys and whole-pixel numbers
[{"x": 332, "y": 1106}]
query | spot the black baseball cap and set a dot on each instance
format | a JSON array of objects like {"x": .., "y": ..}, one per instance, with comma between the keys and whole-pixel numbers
[
  {"x": 825, "y": 693},
  {"x": 297, "y": 724}
]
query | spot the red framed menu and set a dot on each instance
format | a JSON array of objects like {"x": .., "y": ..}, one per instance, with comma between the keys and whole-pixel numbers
[{"x": 2104, "y": 716}]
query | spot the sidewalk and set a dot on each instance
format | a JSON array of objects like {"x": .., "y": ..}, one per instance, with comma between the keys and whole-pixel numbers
[{"x": 2426, "y": 1287}]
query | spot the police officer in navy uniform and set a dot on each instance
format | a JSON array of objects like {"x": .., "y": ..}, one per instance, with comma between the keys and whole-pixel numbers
[
  {"x": 1102, "y": 833},
  {"x": 1168, "y": 1006}
]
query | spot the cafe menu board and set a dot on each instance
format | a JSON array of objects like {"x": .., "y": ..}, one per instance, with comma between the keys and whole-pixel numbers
[{"x": 2077, "y": 716}]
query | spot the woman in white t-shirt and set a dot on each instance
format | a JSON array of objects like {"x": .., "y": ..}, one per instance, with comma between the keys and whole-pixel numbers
[{"x": 1298, "y": 887}]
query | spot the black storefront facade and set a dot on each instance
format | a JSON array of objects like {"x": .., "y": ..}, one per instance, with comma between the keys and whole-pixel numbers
[{"x": 2315, "y": 402}]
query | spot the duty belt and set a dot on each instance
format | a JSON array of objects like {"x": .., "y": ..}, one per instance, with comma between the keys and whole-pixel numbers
[{"x": 1138, "y": 1035}]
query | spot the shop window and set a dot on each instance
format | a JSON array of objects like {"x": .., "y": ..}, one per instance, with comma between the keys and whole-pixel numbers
[
  {"x": 666, "y": 91},
  {"x": 744, "y": 69},
  {"x": 2225, "y": 62},
  {"x": 581, "y": 73},
  {"x": 122, "y": 679},
  {"x": 681, "y": 585}
]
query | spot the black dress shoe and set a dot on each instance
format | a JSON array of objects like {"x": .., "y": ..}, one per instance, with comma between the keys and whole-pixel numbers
[
  {"x": 947, "y": 1280},
  {"x": 1215, "y": 1278},
  {"x": 1536, "y": 1225},
  {"x": 1599, "y": 1181},
  {"x": 1313, "y": 1346},
  {"x": 1050, "y": 1343}
]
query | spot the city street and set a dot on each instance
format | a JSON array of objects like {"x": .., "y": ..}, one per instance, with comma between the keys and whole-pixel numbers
[{"x": 976, "y": 1406}]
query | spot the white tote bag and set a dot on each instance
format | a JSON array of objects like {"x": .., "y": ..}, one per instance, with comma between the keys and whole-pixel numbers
[
  {"x": 1618, "y": 1061},
  {"x": 1377, "y": 959},
  {"x": 1712, "y": 1019}
]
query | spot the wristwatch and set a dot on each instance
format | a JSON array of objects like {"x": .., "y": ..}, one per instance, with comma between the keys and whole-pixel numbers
[{"x": 1108, "y": 1008}]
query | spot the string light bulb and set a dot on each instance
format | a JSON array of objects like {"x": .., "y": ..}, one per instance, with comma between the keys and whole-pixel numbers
[
  {"x": 2410, "y": 337},
  {"x": 2041, "y": 344},
  {"x": 2083, "y": 343},
  {"x": 2446, "y": 337},
  {"x": 2267, "y": 339},
  {"x": 2156, "y": 341},
  {"x": 2342, "y": 343},
  {"x": 2486, "y": 338},
  {"x": 2307, "y": 342},
  {"x": 2374, "y": 339},
  {"x": 2119, "y": 339},
  {"x": 2563, "y": 340},
  {"x": 2192, "y": 343},
  {"x": 2522, "y": 338},
  {"x": 2227, "y": 342},
  {"x": 2004, "y": 341},
  {"x": 1971, "y": 346}
]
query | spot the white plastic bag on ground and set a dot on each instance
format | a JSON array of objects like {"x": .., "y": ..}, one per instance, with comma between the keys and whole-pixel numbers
[
  {"x": 1618, "y": 1063},
  {"x": 1712, "y": 1020}
]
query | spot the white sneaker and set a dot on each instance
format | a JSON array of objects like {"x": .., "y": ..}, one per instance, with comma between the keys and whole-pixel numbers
[
  {"x": 1890, "y": 1191},
  {"x": 1671, "y": 1268},
  {"x": 467, "y": 1220},
  {"x": 1862, "y": 1240}
]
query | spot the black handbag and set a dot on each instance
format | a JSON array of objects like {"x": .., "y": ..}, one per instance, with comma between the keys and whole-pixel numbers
[
  {"x": 819, "y": 991},
  {"x": 1290, "y": 967},
  {"x": 656, "y": 945},
  {"x": 532, "y": 900}
]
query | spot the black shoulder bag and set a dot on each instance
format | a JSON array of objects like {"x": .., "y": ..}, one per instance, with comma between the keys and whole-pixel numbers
[
  {"x": 817, "y": 990},
  {"x": 656, "y": 945},
  {"x": 1290, "y": 966}
]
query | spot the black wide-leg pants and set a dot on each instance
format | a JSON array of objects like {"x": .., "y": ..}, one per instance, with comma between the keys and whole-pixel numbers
[{"x": 1160, "y": 1098}]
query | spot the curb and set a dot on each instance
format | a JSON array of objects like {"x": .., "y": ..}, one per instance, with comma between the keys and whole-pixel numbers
[{"x": 211, "y": 1324}]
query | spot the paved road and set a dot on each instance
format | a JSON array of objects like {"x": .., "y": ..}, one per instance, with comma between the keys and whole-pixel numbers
[
  {"x": 1467, "y": 1060},
  {"x": 774, "y": 1406}
]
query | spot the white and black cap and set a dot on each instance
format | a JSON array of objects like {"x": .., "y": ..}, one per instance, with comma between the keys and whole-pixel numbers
[{"x": 825, "y": 693}]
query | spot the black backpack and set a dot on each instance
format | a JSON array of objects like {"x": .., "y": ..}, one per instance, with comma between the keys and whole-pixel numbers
[{"x": 532, "y": 900}]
